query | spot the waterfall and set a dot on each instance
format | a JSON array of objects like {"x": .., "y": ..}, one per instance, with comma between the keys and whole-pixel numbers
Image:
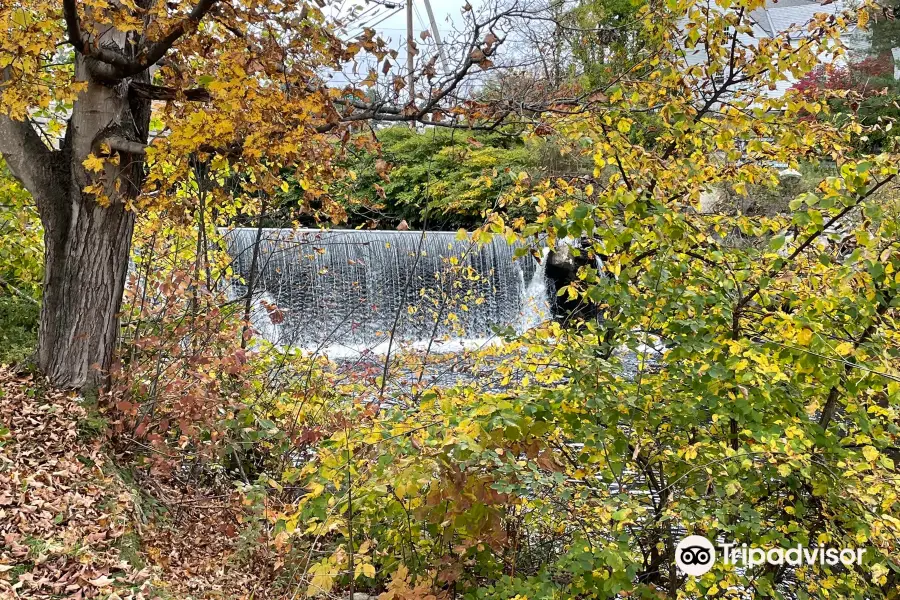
[
  {"x": 349, "y": 288},
  {"x": 536, "y": 307}
]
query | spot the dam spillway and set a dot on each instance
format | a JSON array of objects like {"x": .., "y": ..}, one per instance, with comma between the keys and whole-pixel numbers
[{"x": 317, "y": 289}]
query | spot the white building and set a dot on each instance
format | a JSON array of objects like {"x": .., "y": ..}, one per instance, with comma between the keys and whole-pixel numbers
[{"x": 778, "y": 17}]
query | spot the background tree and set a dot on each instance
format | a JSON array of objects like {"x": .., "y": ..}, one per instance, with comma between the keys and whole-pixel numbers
[
  {"x": 449, "y": 178},
  {"x": 865, "y": 90},
  {"x": 885, "y": 30}
]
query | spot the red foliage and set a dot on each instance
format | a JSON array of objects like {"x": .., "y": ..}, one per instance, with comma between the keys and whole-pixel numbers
[
  {"x": 183, "y": 368},
  {"x": 861, "y": 77}
]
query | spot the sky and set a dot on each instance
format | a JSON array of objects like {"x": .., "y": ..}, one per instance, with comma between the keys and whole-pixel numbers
[{"x": 390, "y": 23}]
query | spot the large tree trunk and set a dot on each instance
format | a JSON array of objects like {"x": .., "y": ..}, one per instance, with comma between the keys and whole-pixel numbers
[
  {"x": 87, "y": 237},
  {"x": 86, "y": 263},
  {"x": 88, "y": 227}
]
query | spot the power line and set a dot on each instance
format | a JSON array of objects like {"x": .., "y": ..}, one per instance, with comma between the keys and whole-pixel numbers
[
  {"x": 365, "y": 12},
  {"x": 401, "y": 29},
  {"x": 419, "y": 18},
  {"x": 373, "y": 25},
  {"x": 368, "y": 19}
]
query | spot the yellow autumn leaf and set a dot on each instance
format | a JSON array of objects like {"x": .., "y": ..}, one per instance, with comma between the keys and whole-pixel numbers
[
  {"x": 862, "y": 19},
  {"x": 871, "y": 453},
  {"x": 322, "y": 579},
  {"x": 844, "y": 348},
  {"x": 93, "y": 163},
  {"x": 315, "y": 489}
]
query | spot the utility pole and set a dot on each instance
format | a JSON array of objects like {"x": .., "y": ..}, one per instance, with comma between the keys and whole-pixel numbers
[
  {"x": 410, "y": 53},
  {"x": 437, "y": 35}
]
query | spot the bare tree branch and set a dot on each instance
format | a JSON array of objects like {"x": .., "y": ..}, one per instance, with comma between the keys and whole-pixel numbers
[
  {"x": 17, "y": 291},
  {"x": 158, "y": 92},
  {"x": 121, "y": 144},
  {"x": 106, "y": 55},
  {"x": 151, "y": 54}
]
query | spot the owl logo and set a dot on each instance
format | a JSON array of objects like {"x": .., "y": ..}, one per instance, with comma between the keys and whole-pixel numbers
[{"x": 695, "y": 555}]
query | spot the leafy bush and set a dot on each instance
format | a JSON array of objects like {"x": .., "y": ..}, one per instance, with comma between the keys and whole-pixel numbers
[
  {"x": 18, "y": 328},
  {"x": 21, "y": 270},
  {"x": 453, "y": 176},
  {"x": 21, "y": 239}
]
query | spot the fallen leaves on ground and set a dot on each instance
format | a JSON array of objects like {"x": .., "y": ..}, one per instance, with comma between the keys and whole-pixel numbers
[
  {"x": 70, "y": 527},
  {"x": 63, "y": 509}
]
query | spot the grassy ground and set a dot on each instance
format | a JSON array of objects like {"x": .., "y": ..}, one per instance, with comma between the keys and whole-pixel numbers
[{"x": 18, "y": 328}]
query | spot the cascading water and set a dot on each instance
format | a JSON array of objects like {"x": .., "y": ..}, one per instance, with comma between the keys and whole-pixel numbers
[
  {"x": 536, "y": 306},
  {"x": 351, "y": 288}
]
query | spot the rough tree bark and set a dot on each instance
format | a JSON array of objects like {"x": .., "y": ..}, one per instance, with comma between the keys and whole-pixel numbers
[{"x": 87, "y": 243}]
